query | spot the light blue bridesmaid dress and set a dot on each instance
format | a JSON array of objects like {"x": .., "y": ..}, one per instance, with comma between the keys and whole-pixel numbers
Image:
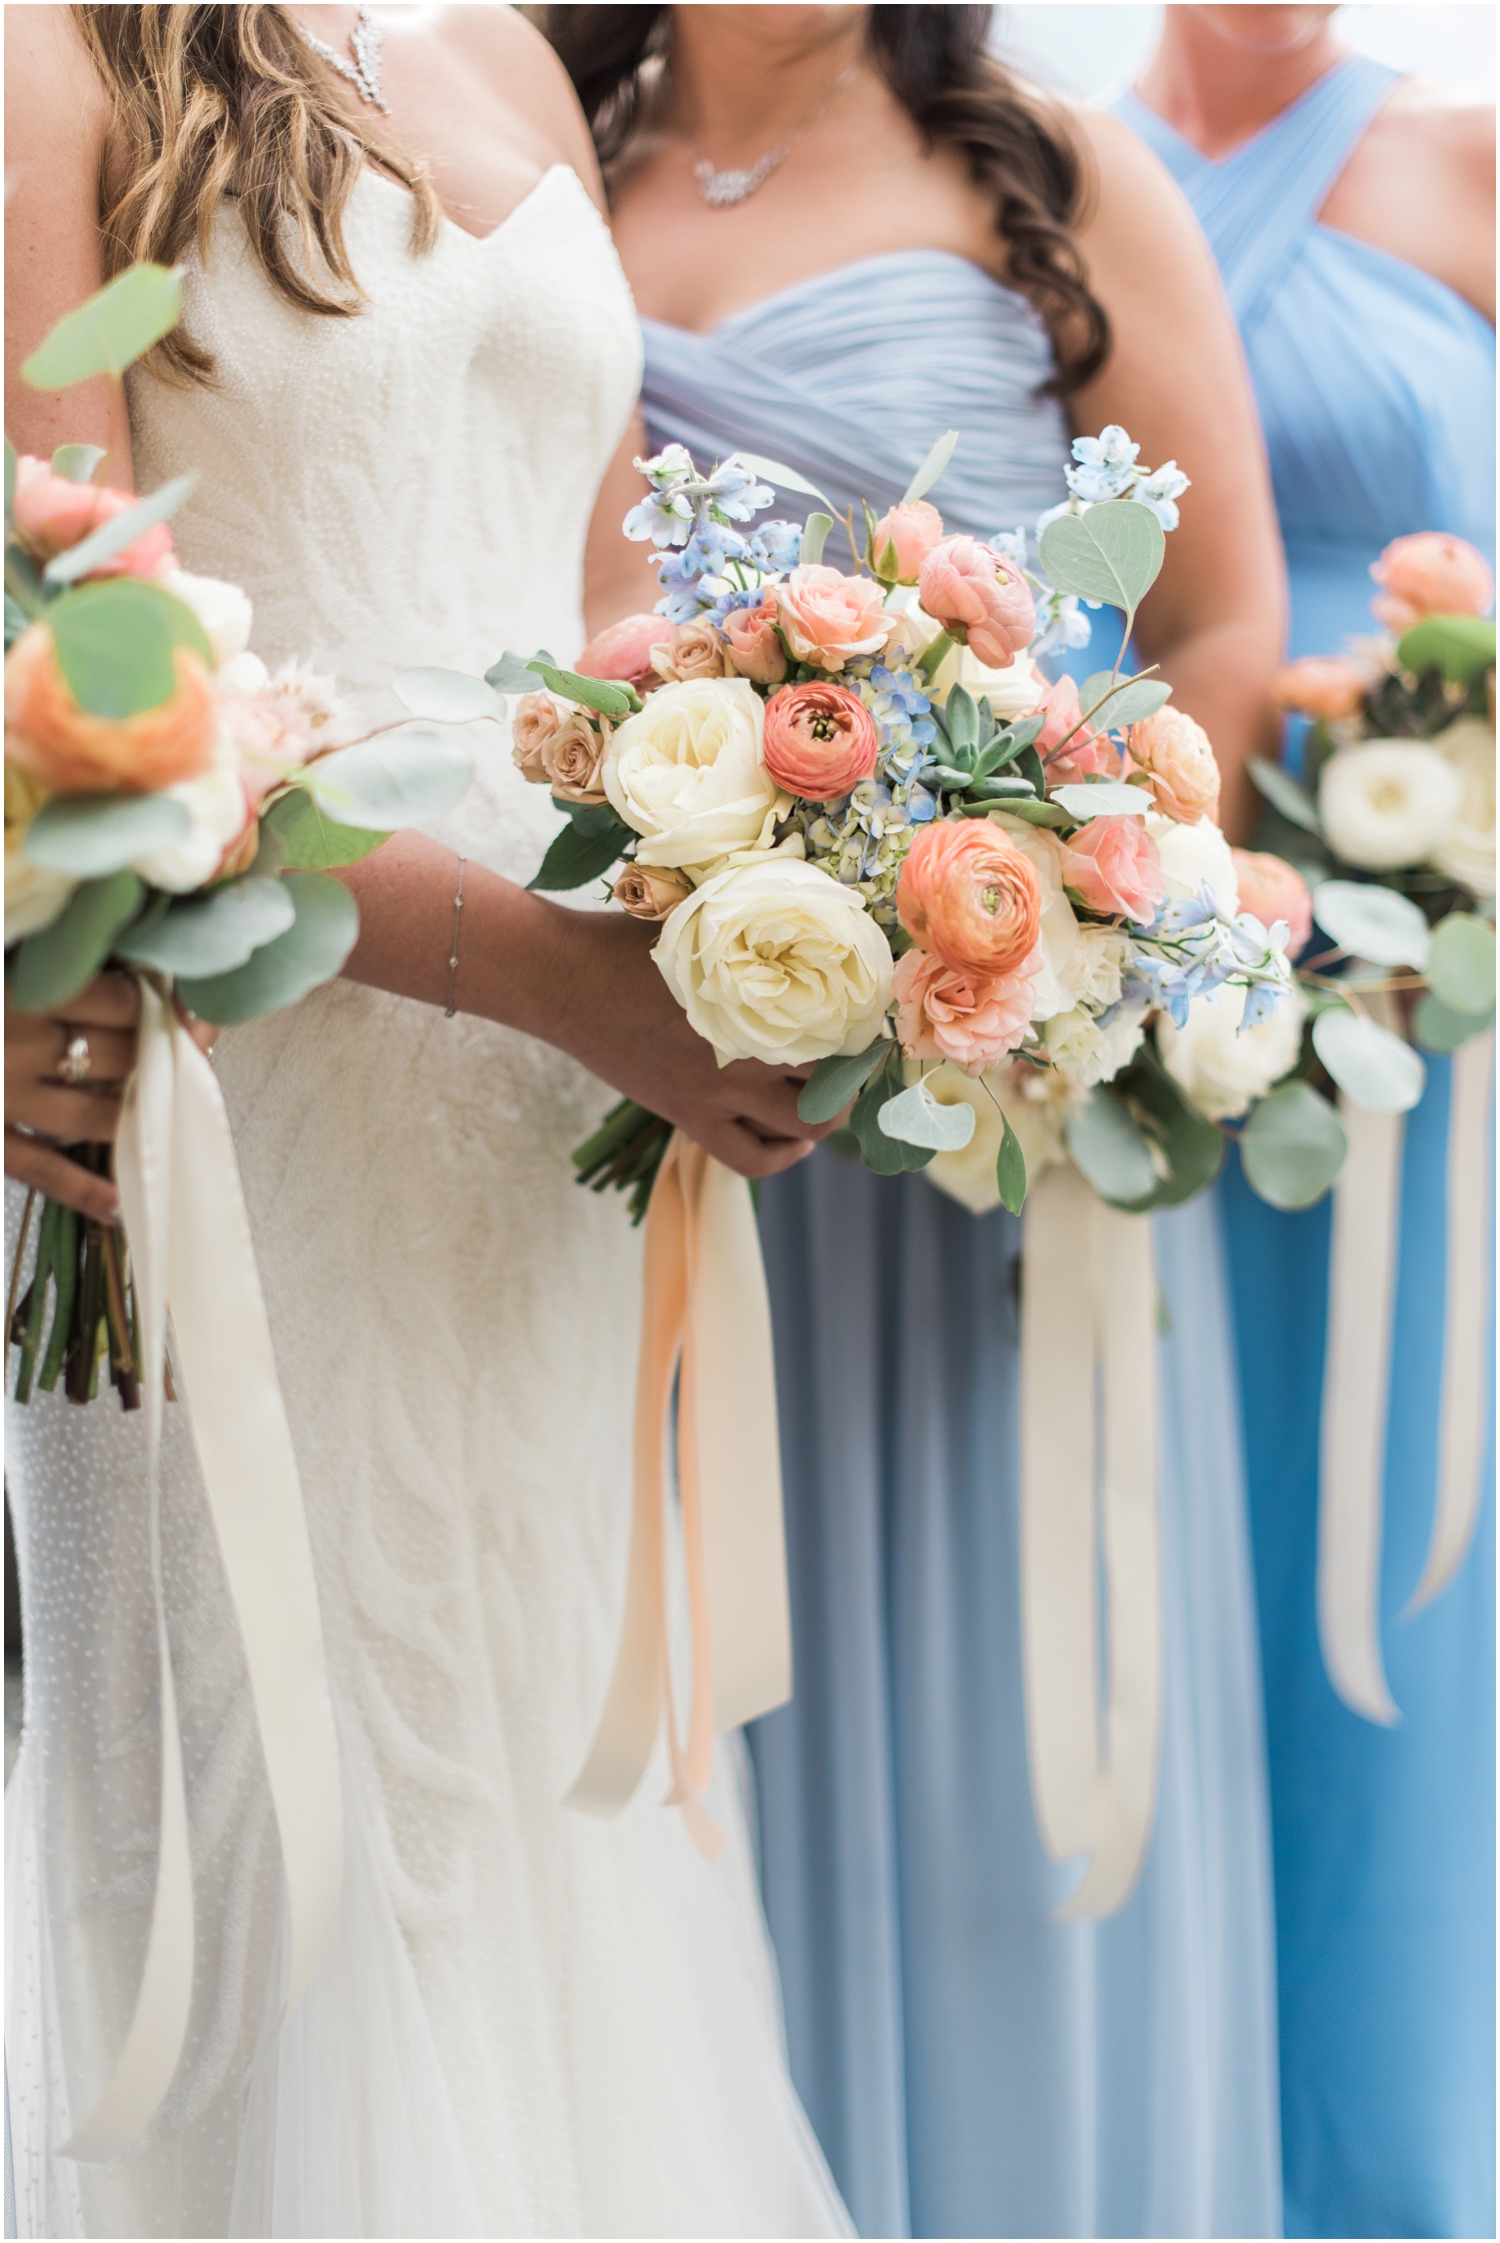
[
  {"x": 1376, "y": 388},
  {"x": 973, "y": 2067}
]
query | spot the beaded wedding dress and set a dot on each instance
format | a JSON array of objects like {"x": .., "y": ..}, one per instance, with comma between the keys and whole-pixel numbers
[{"x": 526, "y": 2022}]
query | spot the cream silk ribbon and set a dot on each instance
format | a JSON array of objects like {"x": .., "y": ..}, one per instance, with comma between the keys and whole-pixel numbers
[
  {"x": 1088, "y": 1324},
  {"x": 191, "y": 1255},
  {"x": 705, "y": 1317},
  {"x": 1357, "y": 1372}
]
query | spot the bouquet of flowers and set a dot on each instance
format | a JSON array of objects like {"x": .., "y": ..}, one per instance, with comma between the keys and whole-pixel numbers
[{"x": 169, "y": 805}]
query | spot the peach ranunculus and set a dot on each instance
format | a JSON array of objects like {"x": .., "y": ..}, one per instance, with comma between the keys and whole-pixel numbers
[
  {"x": 981, "y": 599},
  {"x": 559, "y": 747},
  {"x": 1088, "y": 755},
  {"x": 1178, "y": 757},
  {"x": 1271, "y": 889},
  {"x": 902, "y": 539},
  {"x": 972, "y": 1019},
  {"x": 1430, "y": 574},
  {"x": 1320, "y": 685},
  {"x": 753, "y": 643},
  {"x": 622, "y": 651},
  {"x": 828, "y": 619},
  {"x": 692, "y": 650},
  {"x": 970, "y": 896},
  {"x": 53, "y": 515},
  {"x": 1114, "y": 865},
  {"x": 72, "y": 751},
  {"x": 820, "y": 740},
  {"x": 651, "y": 891}
]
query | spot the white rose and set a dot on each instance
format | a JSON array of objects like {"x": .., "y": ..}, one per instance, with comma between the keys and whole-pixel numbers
[
  {"x": 1388, "y": 802},
  {"x": 222, "y": 609},
  {"x": 1467, "y": 855},
  {"x": 774, "y": 960},
  {"x": 1222, "y": 1068},
  {"x": 687, "y": 772},
  {"x": 1091, "y": 1051},
  {"x": 244, "y": 676},
  {"x": 217, "y": 811},
  {"x": 1193, "y": 855},
  {"x": 1059, "y": 930},
  {"x": 34, "y": 894},
  {"x": 1095, "y": 973},
  {"x": 1035, "y": 1101}
]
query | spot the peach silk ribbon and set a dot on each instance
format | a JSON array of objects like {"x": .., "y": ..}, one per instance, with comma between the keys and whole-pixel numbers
[
  {"x": 705, "y": 1317},
  {"x": 1357, "y": 1373},
  {"x": 1088, "y": 1321},
  {"x": 191, "y": 1253}
]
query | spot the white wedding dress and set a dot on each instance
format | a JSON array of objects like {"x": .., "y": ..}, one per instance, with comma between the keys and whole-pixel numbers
[{"x": 527, "y": 2022}]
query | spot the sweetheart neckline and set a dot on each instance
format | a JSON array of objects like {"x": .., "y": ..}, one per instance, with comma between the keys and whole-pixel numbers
[
  {"x": 832, "y": 273},
  {"x": 482, "y": 241}
]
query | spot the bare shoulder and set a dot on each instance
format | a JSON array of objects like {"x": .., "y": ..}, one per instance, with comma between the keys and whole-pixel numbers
[
  {"x": 54, "y": 97},
  {"x": 1137, "y": 222},
  {"x": 521, "y": 66},
  {"x": 1445, "y": 126}
]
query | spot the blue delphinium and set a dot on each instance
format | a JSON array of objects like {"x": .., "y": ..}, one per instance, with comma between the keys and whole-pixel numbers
[
  {"x": 1191, "y": 946},
  {"x": 690, "y": 519},
  {"x": 1105, "y": 465}
]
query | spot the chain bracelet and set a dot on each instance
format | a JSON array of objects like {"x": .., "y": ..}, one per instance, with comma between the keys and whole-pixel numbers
[{"x": 458, "y": 904}]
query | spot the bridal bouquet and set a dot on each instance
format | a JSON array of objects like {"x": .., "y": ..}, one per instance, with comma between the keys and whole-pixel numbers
[{"x": 169, "y": 805}]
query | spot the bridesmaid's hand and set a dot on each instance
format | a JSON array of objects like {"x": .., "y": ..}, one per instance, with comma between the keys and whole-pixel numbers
[{"x": 43, "y": 1109}]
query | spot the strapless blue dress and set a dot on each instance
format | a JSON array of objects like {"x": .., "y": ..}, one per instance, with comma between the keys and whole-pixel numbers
[
  {"x": 1377, "y": 390},
  {"x": 973, "y": 2067}
]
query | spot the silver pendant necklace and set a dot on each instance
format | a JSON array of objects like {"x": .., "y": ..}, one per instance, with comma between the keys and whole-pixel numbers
[
  {"x": 364, "y": 71},
  {"x": 720, "y": 189}
]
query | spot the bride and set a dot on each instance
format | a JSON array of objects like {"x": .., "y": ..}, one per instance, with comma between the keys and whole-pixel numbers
[{"x": 402, "y": 389}]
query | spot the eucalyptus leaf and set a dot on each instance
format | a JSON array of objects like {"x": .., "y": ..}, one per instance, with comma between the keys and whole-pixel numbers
[
  {"x": 113, "y": 536},
  {"x": 1462, "y": 647},
  {"x": 53, "y": 966},
  {"x": 1284, "y": 794},
  {"x": 92, "y": 834},
  {"x": 575, "y": 858},
  {"x": 1102, "y": 798},
  {"x": 212, "y": 933},
  {"x": 75, "y": 463},
  {"x": 931, "y": 469},
  {"x": 1293, "y": 1146},
  {"x": 1190, "y": 1149},
  {"x": 833, "y": 1082},
  {"x": 600, "y": 694},
  {"x": 916, "y": 1118},
  {"x": 884, "y": 1156},
  {"x": 310, "y": 952},
  {"x": 774, "y": 471},
  {"x": 1461, "y": 964},
  {"x": 514, "y": 674},
  {"x": 1010, "y": 1170},
  {"x": 109, "y": 332},
  {"x": 15, "y": 621},
  {"x": 1438, "y": 1029},
  {"x": 814, "y": 537},
  {"x": 1376, "y": 1071},
  {"x": 406, "y": 777},
  {"x": 1126, "y": 703},
  {"x": 1372, "y": 922},
  {"x": 117, "y": 643},
  {"x": 310, "y": 841},
  {"x": 1110, "y": 1147},
  {"x": 447, "y": 696},
  {"x": 1111, "y": 553}
]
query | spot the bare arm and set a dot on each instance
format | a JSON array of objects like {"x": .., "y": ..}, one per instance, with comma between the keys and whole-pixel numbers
[{"x": 1176, "y": 378}]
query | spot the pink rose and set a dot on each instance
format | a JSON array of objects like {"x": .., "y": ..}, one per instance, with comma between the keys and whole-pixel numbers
[
  {"x": 1087, "y": 755},
  {"x": 693, "y": 650},
  {"x": 1271, "y": 889},
  {"x": 753, "y": 643},
  {"x": 820, "y": 740},
  {"x": 827, "y": 618},
  {"x": 944, "y": 1013},
  {"x": 651, "y": 891},
  {"x": 1179, "y": 758},
  {"x": 54, "y": 515},
  {"x": 971, "y": 897},
  {"x": 1430, "y": 574},
  {"x": 980, "y": 599},
  {"x": 623, "y": 651},
  {"x": 1320, "y": 686},
  {"x": 902, "y": 539},
  {"x": 1114, "y": 866},
  {"x": 560, "y": 747}
]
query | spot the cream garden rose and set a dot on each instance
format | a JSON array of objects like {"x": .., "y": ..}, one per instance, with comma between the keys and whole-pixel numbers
[
  {"x": 1468, "y": 853},
  {"x": 688, "y": 773},
  {"x": 1193, "y": 857},
  {"x": 1388, "y": 802},
  {"x": 775, "y": 960},
  {"x": 1094, "y": 1053},
  {"x": 1222, "y": 1067}
]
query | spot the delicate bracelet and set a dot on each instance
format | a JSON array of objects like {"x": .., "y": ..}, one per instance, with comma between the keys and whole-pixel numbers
[{"x": 458, "y": 904}]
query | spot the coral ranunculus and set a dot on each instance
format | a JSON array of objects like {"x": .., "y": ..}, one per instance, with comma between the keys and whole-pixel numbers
[
  {"x": 73, "y": 751},
  {"x": 1114, "y": 864},
  {"x": 1320, "y": 685},
  {"x": 1179, "y": 758},
  {"x": 1430, "y": 574},
  {"x": 972, "y": 1019},
  {"x": 623, "y": 651},
  {"x": 829, "y": 619},
  {"x": 53, "y": 514},
  {"x": 1271, "y": 889},
  {"x": 820, "y": 740},
  {"x": 968, "y": 895},
  {"x": 980, "y": 599}
]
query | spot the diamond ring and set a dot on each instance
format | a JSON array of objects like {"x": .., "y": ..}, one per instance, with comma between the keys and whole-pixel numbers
[{"x": 76, "y": 1061}]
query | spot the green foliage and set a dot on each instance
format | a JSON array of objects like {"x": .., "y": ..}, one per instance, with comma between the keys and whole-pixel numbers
[
  {"x": 1111, "y": 553},
  {"x": 1461, "y": 964},
  {"x": 1376, "y": 1071},
  {"x": 600, "y": 694},
  {"x": 1282, "y": 791},
  {"x": 91, "y": 834},
  {"x": 577, "y": 857},
  {"x": 915, "y": 1117},
  {"x": 815, "y": 531},
  {"x": 311, "y": 842},
  {"x": 75, "y": 463},
  {"x": 1373, "y": 922},
  {"x": 1102, "y": 798},
  {"x": 213, "y": 933},
  {"x": 1189, "y": 1151},
  {"x": 311, "y": 951},
  {"x": 109, "y": 332},
  {"x": 514, "y": 674},
  {"x": 931, "y": 469},
  {"x": 447, "y": 696},
  {"x": 52, "y": 966},
  {"x": 833, "y": 1082},
  {"x": 1293, "y": 1146},
  {"x": 885, "y": 1156},
  {"x": 116, "y": 643},
  {"x": 1010, "y": 1170},
  {"x": 1439, "y": 1029},
  {"x": 1459, "y": 647},
  {"x": 1111, "y": 1149},
  {"x": 113, "y": 536},
  {"x": 1108, "y": 702},
  {"x": 406, "y": 777}
]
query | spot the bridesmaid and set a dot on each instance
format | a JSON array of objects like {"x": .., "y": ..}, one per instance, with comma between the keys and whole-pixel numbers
[
  {"x": 907, "y": 256},
  {"x": 1352, "y": 214}
]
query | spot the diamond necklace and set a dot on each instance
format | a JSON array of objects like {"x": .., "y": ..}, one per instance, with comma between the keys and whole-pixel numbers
[
  {"x": 364, "y": 71},
  {"x": 721, "y": 188}
]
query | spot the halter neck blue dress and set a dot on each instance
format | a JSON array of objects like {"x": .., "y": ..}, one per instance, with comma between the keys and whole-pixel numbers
[
  {"x": 972, "y": 2067},
  {"x": 1377, "y": 391}
]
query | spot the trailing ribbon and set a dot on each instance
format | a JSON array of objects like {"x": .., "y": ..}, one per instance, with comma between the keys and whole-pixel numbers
[
  {"x": 191, "y": 1254},
  {"x": 1356, "y": 1380},
  {"x": 1089, "y": 1315},
  {"x": 705, "y": 1317}
]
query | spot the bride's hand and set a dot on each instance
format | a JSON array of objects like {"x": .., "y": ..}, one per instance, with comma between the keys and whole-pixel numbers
[{"x": 43, "y": 1109}]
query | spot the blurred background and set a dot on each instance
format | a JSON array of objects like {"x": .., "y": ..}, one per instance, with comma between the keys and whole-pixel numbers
[{"x": 1093, "y": 53}]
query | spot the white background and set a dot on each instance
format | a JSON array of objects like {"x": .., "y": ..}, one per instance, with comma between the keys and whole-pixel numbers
[{"x": 1094, "y": 53}]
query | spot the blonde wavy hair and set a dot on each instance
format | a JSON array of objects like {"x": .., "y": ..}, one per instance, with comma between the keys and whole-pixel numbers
[{"x": 215, "y": 102}]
